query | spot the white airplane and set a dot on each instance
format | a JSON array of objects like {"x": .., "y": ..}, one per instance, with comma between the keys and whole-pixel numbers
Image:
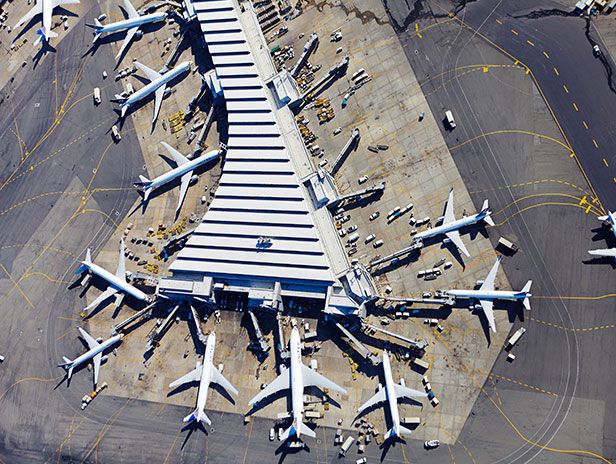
[
  {"x": 391, "y": 393},
  {"x": 610, "y": 219},
  {"x": 204, "y": 374},
  {"x": 131, "y": 25},
  {"x": 184, "y": 170},
  {"x": 158, "y": 85},
  {"x": 44, "y": 7},
  {"x": 296, "y": 378},
  {"x": 117, "y": 282},
  {"x": 450, "y": 226},
  {"x": 94, "y": 353},
  {"x": 486, "y": 294}
]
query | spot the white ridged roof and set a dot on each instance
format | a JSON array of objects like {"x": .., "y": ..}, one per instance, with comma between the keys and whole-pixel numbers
[{"x": 259, "y": 193}]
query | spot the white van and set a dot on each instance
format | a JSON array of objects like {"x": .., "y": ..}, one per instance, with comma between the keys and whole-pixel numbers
[
  {"x": 450, "y": 121},
  {"x": 97, "y": 96}
]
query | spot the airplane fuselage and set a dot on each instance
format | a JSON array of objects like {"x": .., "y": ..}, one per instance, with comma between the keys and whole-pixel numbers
[
  {"x": 206, "y": 372},
  {"x": 297, "y": 381},
  {"x": 488, "y": 295},
  {"x": 88, "y": 355},
  {"x": 115, "y": 281},
  {"x": 131, "y": 22},
  {"x": 155, "y": 84},
  {"x": 47, "y": 11},
  {"x": 182, "y": 169},
  {"x": 450, "y": 226},
  {"x": 390, "y": 391}
]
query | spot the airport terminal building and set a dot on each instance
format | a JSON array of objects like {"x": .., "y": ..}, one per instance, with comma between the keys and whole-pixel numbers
[{"x": 265, "y": 236}]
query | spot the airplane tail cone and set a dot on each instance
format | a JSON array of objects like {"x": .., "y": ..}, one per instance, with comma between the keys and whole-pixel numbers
[{"x": 526, "y": 300}]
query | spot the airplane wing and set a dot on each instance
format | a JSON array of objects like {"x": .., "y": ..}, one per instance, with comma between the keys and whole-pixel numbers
[
  {"x": 179, "y": 158},
  {"x": 281, "y": 382},
  {"x": 183, "y": 189},
  {"x": 487, "y": 309},
  {"x": 449, "y": 215},
  {"x": 149, "y": 73},
  {"x": 36, "y": 9},
  {"x": 159, "y": 94},
  {"x": 192, "y": 376},
  {"x": 313, "y": 378},
  {"x": 89, "y": 339},
  {"x": 608, "y": 252},
  {"x": 96, "y": 361},
  {"x": 130, "y": 33},
  {"x": 218, "y": 378},
  {"x": 121, "y": 270},
  {"x": 405, "y": 392},
  {"x": 102, "y": 297},
  {"x": 488, "y": 283},
  {"x": 455, "y": 238},
  {"x": 377, "y": 398},
  {"x": 130, "y": 9}
]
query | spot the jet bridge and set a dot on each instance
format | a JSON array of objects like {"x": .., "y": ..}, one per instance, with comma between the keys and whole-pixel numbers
[
  {"x": 357, "y": 345},
  {"x": 346, "y": 150},
  {"x": 334, "y": 204},
  {"x": 416, "y": 344},
  {"x": 396, "y": 255},
  {"x": 311, "y": 46}
]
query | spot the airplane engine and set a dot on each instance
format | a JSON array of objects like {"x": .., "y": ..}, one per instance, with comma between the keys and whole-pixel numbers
[
  {"x": 99, "y": 339},
  {"x": 477, "y": 306},
  {"x": 479, "y": 283},
  {"x": 194, "y": 179},
  {"x": 138, "y": 35},
  {"x": 104, "y": 359},
  {"x": 167, "y": 92},
  {"x": 446, "y": 241}
]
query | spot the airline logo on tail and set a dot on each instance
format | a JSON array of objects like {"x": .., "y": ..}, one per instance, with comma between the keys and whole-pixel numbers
[
  {"x": 485, "y": 211},
  {"x": 44, "y": 35}
]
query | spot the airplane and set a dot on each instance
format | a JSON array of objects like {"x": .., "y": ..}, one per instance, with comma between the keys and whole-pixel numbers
[
  {"x": 94, "y": 353},
  {"x": 44, "y": 7},
  {"x": 204, "y": 374},
  {"x": 296, "y": 378},
  {"x": 117, "y": 282},
  {"x": 610, "y": 219},
  {"x": 131, "y": 25},
  {"x": 158, "y": 85},
  {"x": 391, "y": 393},
  {"x": 184, "y": 171},
  {"x": 486, "y": 294},
  {"x": 450, "y": 226}
]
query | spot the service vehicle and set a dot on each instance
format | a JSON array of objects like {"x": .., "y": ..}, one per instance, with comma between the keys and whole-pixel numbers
[
  {"x": 272, "y": 434},
  {"x": 352, "y": 228},
  {"x": 97, "y": 96},
  {"x": 346, "y": 446},
  {"x": 362, "y": 179},
  {"x": 430, "y": 444},
  {"x": 451, "y": 122},
  {"x": 374, "y": 215},
  {"x": 377, "y": 244},
  {"x": 370, "y": 237},
  {"x": 115, "y": 134}
]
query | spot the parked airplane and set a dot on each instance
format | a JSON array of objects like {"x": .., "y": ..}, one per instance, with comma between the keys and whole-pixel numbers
[
  {"x": 610, "y": 219},
  {"x": 296, "y": 378},
  {"x": 204, "y": 374},
  {"x": 486, "y": 294},
  {"x": 94, "y": 353},
  {"x": 391, "y": 393},
  {"x": 117, "y": 282},
  {"x": 450, "y": 226},
  {"x": 44, "y": 7},
  {"x": 131, "y": 25},
  {"x": 158, "y": 85},
  {"x": 184, "y": 170}
]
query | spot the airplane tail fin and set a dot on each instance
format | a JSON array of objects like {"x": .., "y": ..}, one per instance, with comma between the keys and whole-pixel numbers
[
  {"x": 44, "y": 35},
  {"x": 297, "y": 428},
  {"x": 526, "y": 290},
  {"x": 198, "y": 416},
  {"x": 485, "y": 208},
  {"x": 391, "y": 433},
  {"x": 86, "y": 261}
]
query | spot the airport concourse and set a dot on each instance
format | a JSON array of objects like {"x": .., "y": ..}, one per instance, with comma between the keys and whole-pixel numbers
[{"x": 246, "y": 231}]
